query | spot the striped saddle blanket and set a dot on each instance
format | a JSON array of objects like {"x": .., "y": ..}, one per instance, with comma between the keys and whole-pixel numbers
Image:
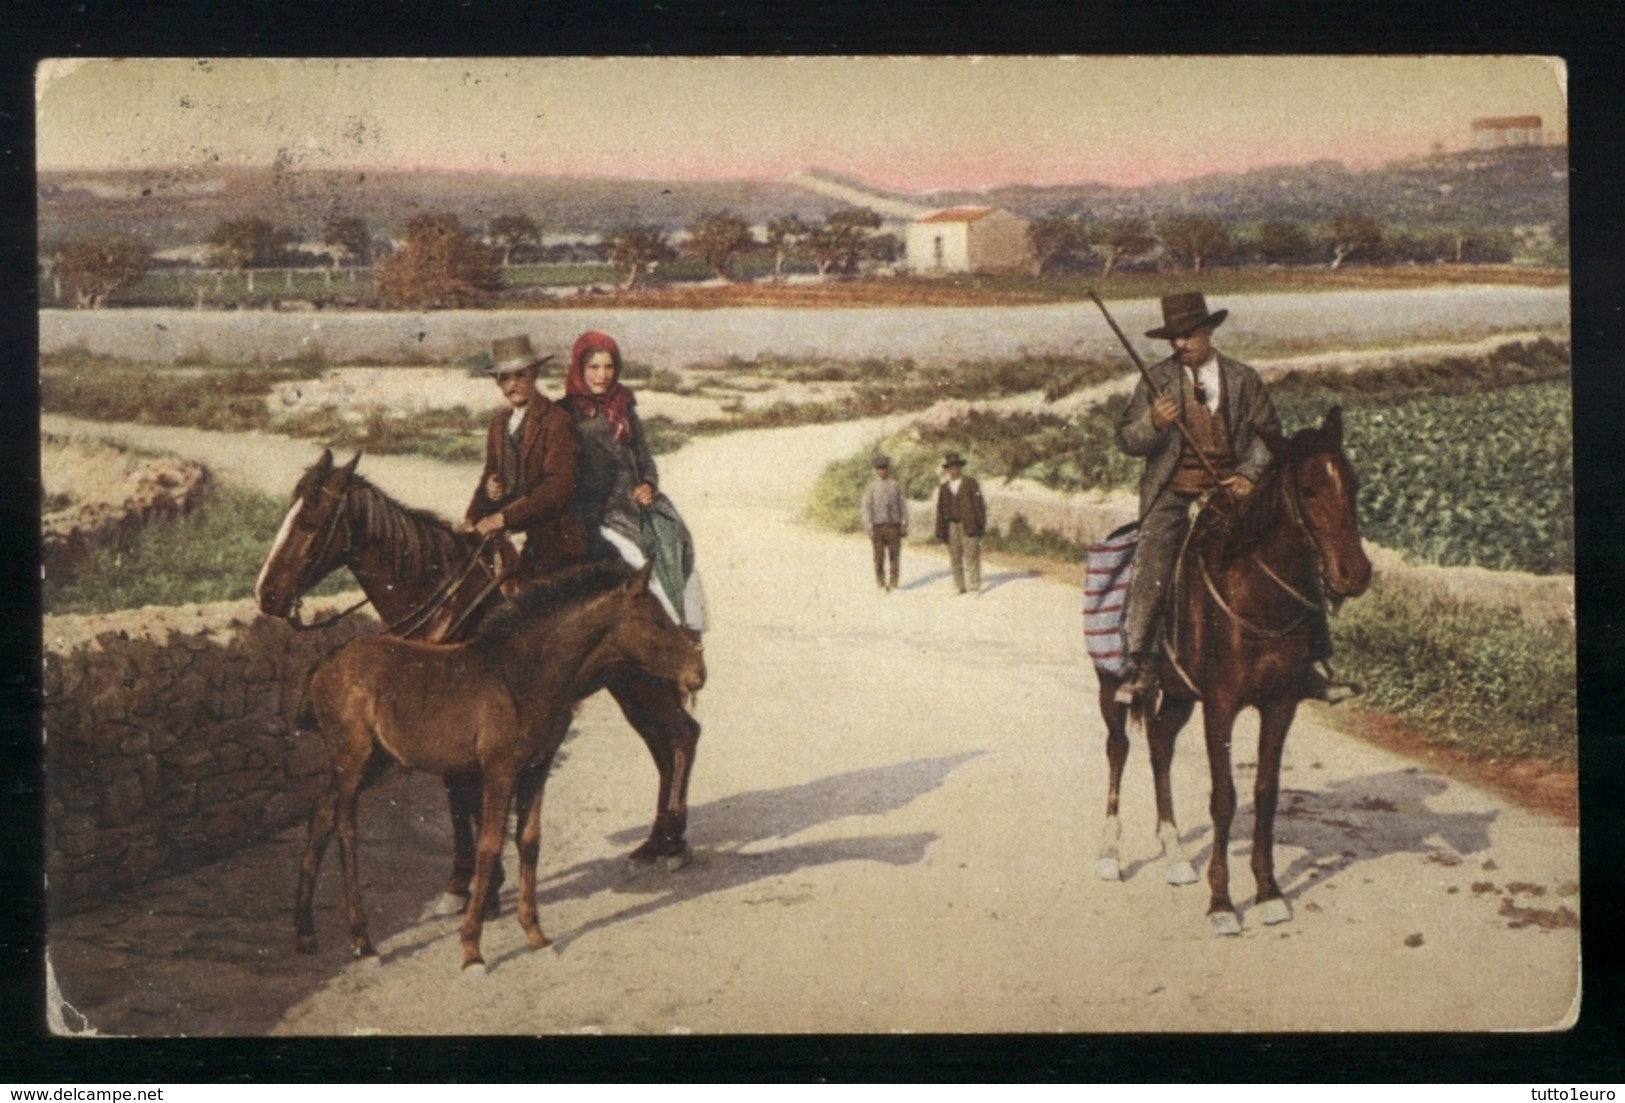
[{"x": 1106, "y": 576}]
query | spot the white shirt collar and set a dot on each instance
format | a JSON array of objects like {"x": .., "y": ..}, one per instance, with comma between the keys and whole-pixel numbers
[
  {"x": 515, "y": 418},
  {"x": 1207, "y": 372}
]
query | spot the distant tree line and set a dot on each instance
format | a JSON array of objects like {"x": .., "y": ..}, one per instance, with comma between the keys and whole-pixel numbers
[
  {"x": 440, "y": 263},
  {"x": 1078, "y": 243}
]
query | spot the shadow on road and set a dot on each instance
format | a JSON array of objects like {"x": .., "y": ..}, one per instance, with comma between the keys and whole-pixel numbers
[
  {"x": 1350, "y": 821},
  {"x": 722, "y": 830}
]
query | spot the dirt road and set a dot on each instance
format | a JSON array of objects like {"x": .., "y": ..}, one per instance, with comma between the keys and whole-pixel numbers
[{"x": 894, "y": 812}]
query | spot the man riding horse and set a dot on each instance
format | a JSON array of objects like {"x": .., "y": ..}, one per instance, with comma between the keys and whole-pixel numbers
[{"x": 1196, "y": 417}]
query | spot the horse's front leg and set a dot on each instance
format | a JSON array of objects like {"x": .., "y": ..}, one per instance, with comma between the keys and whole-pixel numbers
[
  {"x": 1219, "y": 719},
  {"x": 655, "y": 710},
  {"x": 463, "y": 800},
  {"x": 498, "y": 791},
  {"x": 528, "y": 808},
  {"x": 1108, "y": 866},
  {"x": 322, "y": 818},
  {"x": 347, "y": 797},
  {"x": 1275, "y": 718},
  {"x": 1162, "y": 733}
]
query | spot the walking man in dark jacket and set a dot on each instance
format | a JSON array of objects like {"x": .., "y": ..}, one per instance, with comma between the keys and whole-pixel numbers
[{"x": 961, "y": 523}]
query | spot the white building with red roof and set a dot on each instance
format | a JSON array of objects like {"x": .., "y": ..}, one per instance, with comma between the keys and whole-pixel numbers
[{"x": 968, "y": 239}]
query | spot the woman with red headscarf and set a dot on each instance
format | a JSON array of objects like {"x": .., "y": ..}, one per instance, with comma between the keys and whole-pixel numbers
[{"x": 618, "y": 495}]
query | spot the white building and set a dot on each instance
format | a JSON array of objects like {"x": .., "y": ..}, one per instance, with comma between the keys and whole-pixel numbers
[
  {"x": 1513, "y": 130},
  {"x": 968, "y": 239}
]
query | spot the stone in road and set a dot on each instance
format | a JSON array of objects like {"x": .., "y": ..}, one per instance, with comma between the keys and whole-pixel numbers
[{"x": 894, "y": 813}]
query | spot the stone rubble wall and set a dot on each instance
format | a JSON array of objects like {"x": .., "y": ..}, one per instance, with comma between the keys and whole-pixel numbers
[
  {"x": 97, "y": 495},
  {"x": 169, "y": 739}
]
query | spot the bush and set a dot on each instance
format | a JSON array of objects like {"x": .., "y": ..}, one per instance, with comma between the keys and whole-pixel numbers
[
  {"x": 1480, "y": 680},
  {"x": 213, "y": 553}
]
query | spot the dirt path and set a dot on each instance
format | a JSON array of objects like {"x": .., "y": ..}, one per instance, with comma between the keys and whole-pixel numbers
[{"x": 894, "y": 813}]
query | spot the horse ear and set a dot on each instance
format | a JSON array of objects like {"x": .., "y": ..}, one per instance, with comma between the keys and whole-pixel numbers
[
  {"x": 325, "y": 464},
  {"x": 639, "y": 582},
  {"x": 349, "y": 468},
  {"x": 1333, "y": 425}
]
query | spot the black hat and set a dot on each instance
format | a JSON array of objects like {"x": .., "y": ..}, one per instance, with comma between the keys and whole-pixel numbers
[
  {"x": 954, "y": 460},
  {"x": 881, "y": 461},
  {"x": 1185, "y": 313}
]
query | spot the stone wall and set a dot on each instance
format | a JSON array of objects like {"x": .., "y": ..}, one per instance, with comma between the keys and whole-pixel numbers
[
  {"x": 168, "y": 739},
  {"x": 97, "y": 495}
]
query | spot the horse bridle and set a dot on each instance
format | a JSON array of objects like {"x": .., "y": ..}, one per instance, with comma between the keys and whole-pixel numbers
[{"x": 323, "y": 546}]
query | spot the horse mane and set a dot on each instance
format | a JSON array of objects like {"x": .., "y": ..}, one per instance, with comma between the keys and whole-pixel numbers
[
  {"x": 419, "y": 542},
  {"x": 1248, "y": 527},
  {"x": 543, "y": 598}
]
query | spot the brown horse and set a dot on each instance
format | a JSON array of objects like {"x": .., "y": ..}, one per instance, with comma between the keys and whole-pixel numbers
[
  {"x": 1251, "y": 578},
  {"x": 496, "y": 707},
  {"x": 430, "y": 582}
]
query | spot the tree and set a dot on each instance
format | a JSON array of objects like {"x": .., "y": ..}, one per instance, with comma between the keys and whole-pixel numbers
[
  {"x": 244, "y": 244},
  {"x": 509, "y": 231},
  {"x": 785, "y": 235},
  {"x": 93, "y": 269},
  {"x": 1353, "y": 233},
  {"x": 637, "y": 250},
  {"x": 1121, "y": 239},
  {"x": 1057, "y": 240},
  {"x": 1282, "y": 242},
  {"x": 719, "y": 237},
  {"x": 346, "y": 239},
  {"x": 837, "y": 243},
  {"x": 439, "y": 266},
  {"x": 1194, "y": 239}
]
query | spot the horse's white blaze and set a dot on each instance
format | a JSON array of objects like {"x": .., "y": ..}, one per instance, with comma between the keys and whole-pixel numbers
[{"x": 276, "y": 548}]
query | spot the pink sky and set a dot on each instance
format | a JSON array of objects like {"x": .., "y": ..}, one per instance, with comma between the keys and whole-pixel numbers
[{"x": 909, "y": 124}]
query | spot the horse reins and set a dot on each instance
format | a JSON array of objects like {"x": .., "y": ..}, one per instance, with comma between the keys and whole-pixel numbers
[{"x": 1309, "y": 605}]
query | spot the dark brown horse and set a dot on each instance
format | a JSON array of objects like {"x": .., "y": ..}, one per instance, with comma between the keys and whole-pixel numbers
[
  {"x": 1252, "y": 577},
  {"x": 496, "y": 707},
  {"x": 430, "y": 582}
]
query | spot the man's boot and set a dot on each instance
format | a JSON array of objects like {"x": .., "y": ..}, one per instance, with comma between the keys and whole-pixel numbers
[
  {"x": 1321, "y": 684},
  {"x": 1139, "y": 680}
]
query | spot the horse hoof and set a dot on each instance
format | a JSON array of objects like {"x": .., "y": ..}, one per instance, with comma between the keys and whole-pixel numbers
[
  {"x": 538, "y": 940},
  {"x": 1181, "y": 873},
  {"x": 1107, "y": 869},
  {"x": 1271, "y": 912},
  {"x": 675, "y": 862},
  {"x": 364, "y": 954},
  {"x": 1224, "y": 923},
  {"x": 474, "y": 968}
]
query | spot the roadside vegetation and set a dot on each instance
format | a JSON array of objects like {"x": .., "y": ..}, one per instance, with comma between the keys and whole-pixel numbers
[{"x": 213, "y": 553}]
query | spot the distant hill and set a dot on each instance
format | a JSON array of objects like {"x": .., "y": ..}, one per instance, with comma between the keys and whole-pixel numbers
[
  {"x": 1506, "y": 187},
  {"x": 173, "y": 208}
]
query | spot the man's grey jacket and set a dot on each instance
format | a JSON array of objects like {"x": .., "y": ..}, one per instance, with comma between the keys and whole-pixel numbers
[{"x": 1247, "y": 407}]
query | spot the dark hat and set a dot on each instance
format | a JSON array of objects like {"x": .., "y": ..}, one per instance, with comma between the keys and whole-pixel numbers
[
  {"x": 881, "y": 461},
  {"x": 954, "y": 459},
  {"x": 1185, "y": 313},
  {"x": 510, "y": 354}
]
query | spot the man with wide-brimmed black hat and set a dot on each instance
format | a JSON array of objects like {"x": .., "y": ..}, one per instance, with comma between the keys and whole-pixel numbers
[
  {"x": 529, "y": 479},
  {"x": 1224, "y": 407}
]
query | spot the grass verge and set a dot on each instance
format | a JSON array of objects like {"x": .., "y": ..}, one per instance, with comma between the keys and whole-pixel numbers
[{"x": 213, "y": 553}]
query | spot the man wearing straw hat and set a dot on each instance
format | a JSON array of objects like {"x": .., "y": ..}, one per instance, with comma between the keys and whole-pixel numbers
[
  {"x": 1224, "y": 407},
  {"x": 530, "y": 467}
]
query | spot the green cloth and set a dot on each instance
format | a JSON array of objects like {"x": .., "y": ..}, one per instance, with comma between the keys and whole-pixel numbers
[{"x": 663, "y": 543}]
